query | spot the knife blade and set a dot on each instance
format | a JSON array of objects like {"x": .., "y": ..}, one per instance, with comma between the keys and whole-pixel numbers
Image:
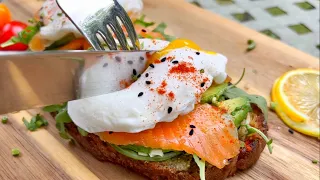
[{"x": 36, "y": 79}]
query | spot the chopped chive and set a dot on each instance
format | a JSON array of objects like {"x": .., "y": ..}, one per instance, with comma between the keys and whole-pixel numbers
[
  {"x": 15, "y": 152},
  {"x": 315, "y": 161},
  {"x": 201, "y": 70},
  {"x": 4, "y": 120},
  {"x": 60, "y": 14},
  {"x": 251, "y": 45}
]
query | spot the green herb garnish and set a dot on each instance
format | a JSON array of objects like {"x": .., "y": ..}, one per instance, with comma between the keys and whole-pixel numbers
[
  {"x": 54, "y": 108},
  {"x": 4, "y": 120},
  {"x": 15, "y": 152},
  {"x": 35, "y": 123},
  {"x": 251, "y": 45}
]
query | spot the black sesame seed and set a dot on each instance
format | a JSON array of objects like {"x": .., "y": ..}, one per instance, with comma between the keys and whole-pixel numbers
[
  {"x": 130, "y": 62},
  {"x": 143, "y": 30},
  {"x": 192, "y": 126},
  {"x": 148, "y": 82},
  {"x": 290, "y": 131},
  {"x": 202, "y": 84},
  {"x": 198, "y": 53},
  {"x": 140, "y": 94},
  {"x": 169, "y": 110},
  {"x": 118, "y": 58},
  {"x": 134, "y": 72},
  {"x": 191, "y": 132},
  {"x": 141, "y": 58},
  {"x": 175, "y": 62},
  {"x": 110, "y": 132},
  {"x": 105, "y": 64},
  {"x": 151, "y": 65},
  {"x": 139, "y": 75},
  {"x": 147, "y": 74},
  {"x": 163, "y": 59}
]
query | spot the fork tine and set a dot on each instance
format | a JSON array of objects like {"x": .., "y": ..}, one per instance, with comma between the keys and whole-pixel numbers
[
  {"x": 107, "y": 37},
  {"x": 116, "y": 28},
  {"x": 94, "y": 41},
  {"x": 130, "y": 29}
]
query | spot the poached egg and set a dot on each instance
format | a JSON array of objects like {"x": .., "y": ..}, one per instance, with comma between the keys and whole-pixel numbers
[{"x": 171, "y": 85}]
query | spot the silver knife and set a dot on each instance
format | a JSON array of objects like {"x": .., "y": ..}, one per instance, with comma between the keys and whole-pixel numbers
[{"x": 36, "y": 79}]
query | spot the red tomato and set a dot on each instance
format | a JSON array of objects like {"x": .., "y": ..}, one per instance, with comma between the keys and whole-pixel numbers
[
  {"x": 5, "y": 15},
  {"x": 10, "y": 30}
]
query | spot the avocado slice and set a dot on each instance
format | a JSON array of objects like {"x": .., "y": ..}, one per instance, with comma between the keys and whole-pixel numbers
[
  {"x": 213, "y": 91},
  {"x": 237, "y": 107}
]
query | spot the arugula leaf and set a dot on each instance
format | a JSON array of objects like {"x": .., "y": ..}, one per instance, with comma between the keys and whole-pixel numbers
[
  {"x": 82, "y": 132},
  {"x": 63, "y": 117},
  {"x": 142, "y": 22},
  {"x": 160, "y": 29},
  {"x": 255, "y": 99},
  {"x": 252, "y": 130},
  {"x": 24, "y": 36},
  {"x": 54, "y": 108}
]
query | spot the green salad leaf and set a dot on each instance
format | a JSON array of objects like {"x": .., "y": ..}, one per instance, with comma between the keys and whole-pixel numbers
[
  {"x": 202, "y": 166},
  {"x": 54, "y": 108}
]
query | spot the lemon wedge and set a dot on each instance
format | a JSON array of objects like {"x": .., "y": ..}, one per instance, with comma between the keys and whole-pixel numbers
[{"x": 296, "y": 94}]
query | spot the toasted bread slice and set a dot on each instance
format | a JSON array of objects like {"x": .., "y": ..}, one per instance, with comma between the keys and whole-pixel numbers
[{"x": 180, "y": 167}]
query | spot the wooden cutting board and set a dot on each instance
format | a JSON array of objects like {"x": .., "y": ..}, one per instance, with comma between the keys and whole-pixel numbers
[{"x": 44, "y": 155}]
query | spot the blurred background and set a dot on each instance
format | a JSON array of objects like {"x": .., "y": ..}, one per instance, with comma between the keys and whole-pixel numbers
[{"x": 295, "y": 22}]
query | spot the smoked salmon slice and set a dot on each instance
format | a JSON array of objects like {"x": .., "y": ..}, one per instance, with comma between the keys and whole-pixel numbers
[{"x": 206, "y": 131}]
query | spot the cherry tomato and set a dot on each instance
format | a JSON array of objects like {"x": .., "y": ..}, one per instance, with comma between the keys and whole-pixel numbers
[
  {"x": 10, "y": 30},
  {"x": 5, "y": 15}
]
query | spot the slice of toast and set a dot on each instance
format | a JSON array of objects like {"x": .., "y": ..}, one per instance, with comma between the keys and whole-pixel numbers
[{"x": 180, "y": 167}]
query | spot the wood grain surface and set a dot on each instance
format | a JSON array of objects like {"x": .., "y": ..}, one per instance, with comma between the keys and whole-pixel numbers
[{"x": 44, "y": 155}]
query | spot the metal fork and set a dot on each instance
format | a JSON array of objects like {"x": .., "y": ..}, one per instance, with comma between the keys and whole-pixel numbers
[{"x": 101, "y": 17}]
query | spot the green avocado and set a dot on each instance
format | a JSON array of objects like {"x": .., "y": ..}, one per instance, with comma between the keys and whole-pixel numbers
[
  {"x": 237, "y": 107},
  {"x": 213, "y": 92}
]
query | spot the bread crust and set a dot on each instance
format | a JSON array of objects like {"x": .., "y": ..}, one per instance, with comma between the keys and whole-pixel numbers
[{"x": 247, "y": 157}]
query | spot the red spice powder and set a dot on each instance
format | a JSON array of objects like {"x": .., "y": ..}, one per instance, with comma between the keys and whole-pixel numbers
[
  {"x": 171, "y": 95},
  {"x": 183, "y": 67},
  {"x": 169, "y": 58},
  {"x": 157, "y": 61},
  {"x": 162, "y": 89},
  {"x": 190, "y": 57},
  {"x": 124, "y": 84}
]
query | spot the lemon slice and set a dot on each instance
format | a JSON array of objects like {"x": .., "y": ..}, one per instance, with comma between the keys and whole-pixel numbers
[{"x": 297, "y": 96}]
